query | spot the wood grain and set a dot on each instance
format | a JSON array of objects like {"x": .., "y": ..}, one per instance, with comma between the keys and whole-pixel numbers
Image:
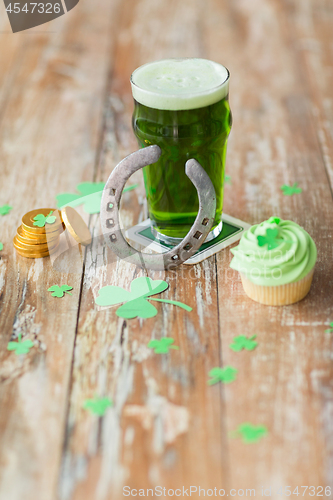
[
  {"x": 65, "y": 117},
  {"x": 49, "y": 135},
  {"x": 166, "y": 426},
  {"x": 281, "y": 384}
]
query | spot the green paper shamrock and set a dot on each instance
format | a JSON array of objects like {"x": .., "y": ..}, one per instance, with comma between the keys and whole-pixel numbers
[
  {"x": 290, "y": 190},
  {"x": 1, "y": 246},
  {"x": 330, "y": 330},
  {"x": 226, "y": 375},
  {"x": 227, "y": 179},
  {"x": 136, "y": 303},
  {"x": 250, "y": 433},
  {"x": 20, "y": 347},
  {"x": 90, "y": 196},
  {"x": 243, "y": 342},
  {"x": 276, "y": 220},
  {"x": 270, "y": 239},
  {"x": 41, "y": 220},
  {"x": 5, "y": 209},
  {"x": 163, "y": 345},
  {"x": 97, "y": 406},
  {"x": 59, "y": 291}
]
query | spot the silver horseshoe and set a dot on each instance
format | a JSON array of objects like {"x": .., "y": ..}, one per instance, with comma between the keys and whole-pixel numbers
[{"x": 110, "y": 212}]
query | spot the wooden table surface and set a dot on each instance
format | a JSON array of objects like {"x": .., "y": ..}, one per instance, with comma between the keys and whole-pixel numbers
[{"x": 65, "y": 118}]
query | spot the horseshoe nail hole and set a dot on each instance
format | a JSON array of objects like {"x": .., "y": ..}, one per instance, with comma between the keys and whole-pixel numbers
[
  {"x": 175, "y": 257},
  {"x": 112, "y": 191},
  {"x": 197, "y": 235},
  {"x": 109, "y": 222},
  {"x": 205, "y": 222},
  {"x": 113, "y": 237},
  {"x": 188, "y": 247},
  {"x": 109, "y": 207}
]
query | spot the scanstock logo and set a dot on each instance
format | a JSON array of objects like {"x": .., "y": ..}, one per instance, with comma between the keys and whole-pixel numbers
[{"x": 24, "y": 15}]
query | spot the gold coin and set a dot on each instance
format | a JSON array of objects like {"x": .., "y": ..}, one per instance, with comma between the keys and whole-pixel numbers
[
  {"x": 32, "y": 255},
  {"x": 76, "y": 225},
  {"x": 40, "y": 247},
  {"x": 28, "y": 221},
  {"x": 35, "y": 244},
  {"x": 23, "y": 233},
  {"x": 35, "y": 239},
  {"x": 36, "y": 249},
  {"x": 45, "y": 235}
]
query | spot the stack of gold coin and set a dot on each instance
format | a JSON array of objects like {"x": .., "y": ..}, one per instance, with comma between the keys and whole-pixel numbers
[{"x": 39, "y": 234}]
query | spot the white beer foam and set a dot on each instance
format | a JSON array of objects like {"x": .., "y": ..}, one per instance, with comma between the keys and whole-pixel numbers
[{"x": 179, "y": 84}]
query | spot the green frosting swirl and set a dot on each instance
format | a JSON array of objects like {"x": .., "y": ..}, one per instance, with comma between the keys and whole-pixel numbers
[{"x": 275, "y": 252}]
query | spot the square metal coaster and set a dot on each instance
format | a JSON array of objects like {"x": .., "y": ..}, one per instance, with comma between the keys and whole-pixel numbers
[{"x": 232, "y": 231}]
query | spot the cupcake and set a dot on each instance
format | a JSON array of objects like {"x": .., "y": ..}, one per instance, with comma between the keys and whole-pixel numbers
[{"x": 276, "y": 260}]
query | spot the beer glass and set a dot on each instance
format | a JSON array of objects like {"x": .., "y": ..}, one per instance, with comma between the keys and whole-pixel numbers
[{"x": 182, "y": 106}]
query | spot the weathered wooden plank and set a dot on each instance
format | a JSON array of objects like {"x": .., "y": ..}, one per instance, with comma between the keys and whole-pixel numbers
[
  {"x": 49, "y": 136},
  {"x": 166, "y": 426},
  {"x": 10, "y": 58},
  {"x": 157, "y": 399},
  {"x": 310, "y": 25},
  {"x": 313, "y": 22},
  {"x": 283, "y": 382}
]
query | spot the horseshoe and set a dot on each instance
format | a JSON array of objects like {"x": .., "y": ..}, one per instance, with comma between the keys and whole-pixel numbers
[{"x": 110, "y": 212}]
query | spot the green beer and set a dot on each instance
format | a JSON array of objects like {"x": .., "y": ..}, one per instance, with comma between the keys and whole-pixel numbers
[{"x": 182, "y": 106}]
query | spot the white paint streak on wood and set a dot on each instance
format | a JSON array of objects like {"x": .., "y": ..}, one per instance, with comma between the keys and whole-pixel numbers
[
  {"x": 129, "y": 436},
  {"x": 111, "y": 473},
  {"x": 35, "y": 269},
  {"x": 322, "y": 136},
  {"x": 141, "y": 413},
  {"x": 210, "y": 280},
  {"x": 140, "y": 352},
  {"x": 2, "y": 273},
  {"x": 200, "y": 305},
  {"x": 174, "y": 419},
  {"x": 24, "y": 323}
]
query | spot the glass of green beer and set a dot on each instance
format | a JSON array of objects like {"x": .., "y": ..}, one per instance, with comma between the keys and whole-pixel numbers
[{"x": 182, "y": 106}]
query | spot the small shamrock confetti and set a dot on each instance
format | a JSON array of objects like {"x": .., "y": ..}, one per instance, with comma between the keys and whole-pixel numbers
[
  {"x": 41, "y": 220},
  {"x": 290, "y": 190},
  {"x": 250, "y": 433},
  {"x": 97, "y": 406},
  {"x": 90, "y": 196},
  {"x": 276, "y": 220},
  {"x": 20, "y": 347},
  {"x": 226, "y": 375},
  {"x": 59, "y": 291},
  {"x": 5, "y": 209},
  {"x": 243, "y": 342},
  {"x": 270, "y": 239},
  {"x": 136, "y": 301},
  {"x": 330, "y": 330},
  {"x": 162, "y": 346},
  {"x": 227, "y": 179}
]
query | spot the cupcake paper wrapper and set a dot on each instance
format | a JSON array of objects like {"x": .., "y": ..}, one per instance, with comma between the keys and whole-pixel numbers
[{"x": 280, "y": 295}]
